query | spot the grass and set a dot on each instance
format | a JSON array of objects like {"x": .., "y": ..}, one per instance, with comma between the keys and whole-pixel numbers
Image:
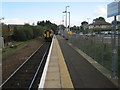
[{"x": 9, "y": 51}]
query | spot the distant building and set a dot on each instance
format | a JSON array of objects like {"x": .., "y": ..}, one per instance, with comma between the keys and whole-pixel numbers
[
  {"x": 7, "y": 32},
  {"x": 100, "y": 25},
  {"x": 5, "y": 28},
  {"x": 118, "y": 26},
  {"x": 10, "y": 27},
  {"x": 13, "y": 26}
]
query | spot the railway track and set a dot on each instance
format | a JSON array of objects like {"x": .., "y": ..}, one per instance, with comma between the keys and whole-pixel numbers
[{"x": 27, "y": 76}]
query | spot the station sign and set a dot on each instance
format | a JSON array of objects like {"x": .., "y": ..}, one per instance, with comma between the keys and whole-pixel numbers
[
  {"x": 114, "y": 23},
  {"x": 113, "y": 9}
]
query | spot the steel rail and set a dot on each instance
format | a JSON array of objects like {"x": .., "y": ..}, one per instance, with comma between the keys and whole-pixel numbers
[
  {"x": 38, "y": 69},
  {"x": 19, "y": 67},
  {"x": 43, "y": 77}
]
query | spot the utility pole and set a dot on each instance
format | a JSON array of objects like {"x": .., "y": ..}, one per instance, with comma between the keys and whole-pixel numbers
[
  {"x": 114, "y": 51},
  {"x": 63, "y": 19},
  {"x": 113, "y": 10},
  {"x": 66, "y": 30},
  {"x": 88, "y": 20},
  {"x": 69, "y": 21},
  {"x": 66, "y": 15}
]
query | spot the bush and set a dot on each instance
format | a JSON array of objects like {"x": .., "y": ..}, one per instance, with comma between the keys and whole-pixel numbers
[
  {"x": 37, "y": 31},
  {"x": 28, "y": 32},
  {"x": 24, "y": 33},
  {"x": 19, "y": 35}
]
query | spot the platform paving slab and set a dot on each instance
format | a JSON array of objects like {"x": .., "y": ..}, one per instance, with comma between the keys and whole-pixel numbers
[{"x": 57, "y": 74}]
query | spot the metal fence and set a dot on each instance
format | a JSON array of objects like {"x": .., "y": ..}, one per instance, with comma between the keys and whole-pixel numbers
[{"x": 98, "y": 46}]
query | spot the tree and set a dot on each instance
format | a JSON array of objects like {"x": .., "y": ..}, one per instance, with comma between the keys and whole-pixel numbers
[
  {"x": 84, "y": 23},
  {"x": 38, "y": 31},
  {"x": 61, "y": 27},
  {"x": 99, "y": 19},
  {"x": 48, "y": 25},
  {"x": 102, "y": 18},
  {"x": 42, "y": 23},
  {"x": 24, "y": 33},
  {"x": 84, "y": 26},
  {"x": 19, "y": 35},
  {"x": 28, "y": 31}
]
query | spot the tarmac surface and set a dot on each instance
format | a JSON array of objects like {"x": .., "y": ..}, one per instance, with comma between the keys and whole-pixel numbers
[{"x": 82, "y": 73}]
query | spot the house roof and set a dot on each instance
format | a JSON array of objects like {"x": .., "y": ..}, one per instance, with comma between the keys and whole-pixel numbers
[{"x": 98, "y": 22}]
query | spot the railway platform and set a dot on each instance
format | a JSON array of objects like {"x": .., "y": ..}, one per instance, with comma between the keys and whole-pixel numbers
[
  {"x": 55, "y": 73},
  {"x": 66, "y": 68}
]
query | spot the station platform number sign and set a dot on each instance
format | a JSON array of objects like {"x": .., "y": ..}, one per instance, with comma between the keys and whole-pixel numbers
[{"x": 113, "y": 9}]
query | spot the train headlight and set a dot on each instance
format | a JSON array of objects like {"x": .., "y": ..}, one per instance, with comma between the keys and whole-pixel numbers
[
  {"x": 44, "y": 35},
  {"x": 50, "y": 35}
]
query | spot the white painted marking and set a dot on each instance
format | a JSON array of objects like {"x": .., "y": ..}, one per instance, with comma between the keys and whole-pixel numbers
[{"x": 42, "y": 81}]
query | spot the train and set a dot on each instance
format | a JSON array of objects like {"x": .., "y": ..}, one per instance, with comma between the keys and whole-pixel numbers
[{"x": 48, "y": 35}]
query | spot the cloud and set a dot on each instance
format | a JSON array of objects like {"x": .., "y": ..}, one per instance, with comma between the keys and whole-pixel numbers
[
  {"x": 14, "y": 21},
  {"x": 30, "y": 21},
  {"x": 100, "y": 11},
  {"x": 17, "y": 21},
  {"x": 110, "y": 19}
]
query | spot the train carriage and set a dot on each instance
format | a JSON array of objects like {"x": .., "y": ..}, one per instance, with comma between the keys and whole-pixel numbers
[{"x": 48, "y": 34}]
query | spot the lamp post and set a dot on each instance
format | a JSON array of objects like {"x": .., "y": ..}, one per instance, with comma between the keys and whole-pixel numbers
[
  {"x": 66, "y": 19},
  {"x": 88, "y": 20},
  {"x": 66, "y": 15},
  {"x": 66, "y": 30},
  {"x": 69, "y": 21},
  {"x": 63, "y": 19}
]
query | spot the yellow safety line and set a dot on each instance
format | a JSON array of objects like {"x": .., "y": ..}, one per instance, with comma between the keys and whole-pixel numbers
[{"x": 64, "y": 74}]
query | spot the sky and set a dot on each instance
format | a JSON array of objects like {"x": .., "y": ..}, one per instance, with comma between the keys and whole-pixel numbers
[{"x": 20, "y": 12}]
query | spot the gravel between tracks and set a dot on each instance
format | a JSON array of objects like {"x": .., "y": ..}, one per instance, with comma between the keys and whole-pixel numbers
[{"x": 11, "y": 63}]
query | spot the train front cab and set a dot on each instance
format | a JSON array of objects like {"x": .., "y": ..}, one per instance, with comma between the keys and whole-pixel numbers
[{"x": 48, "y": 34}]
